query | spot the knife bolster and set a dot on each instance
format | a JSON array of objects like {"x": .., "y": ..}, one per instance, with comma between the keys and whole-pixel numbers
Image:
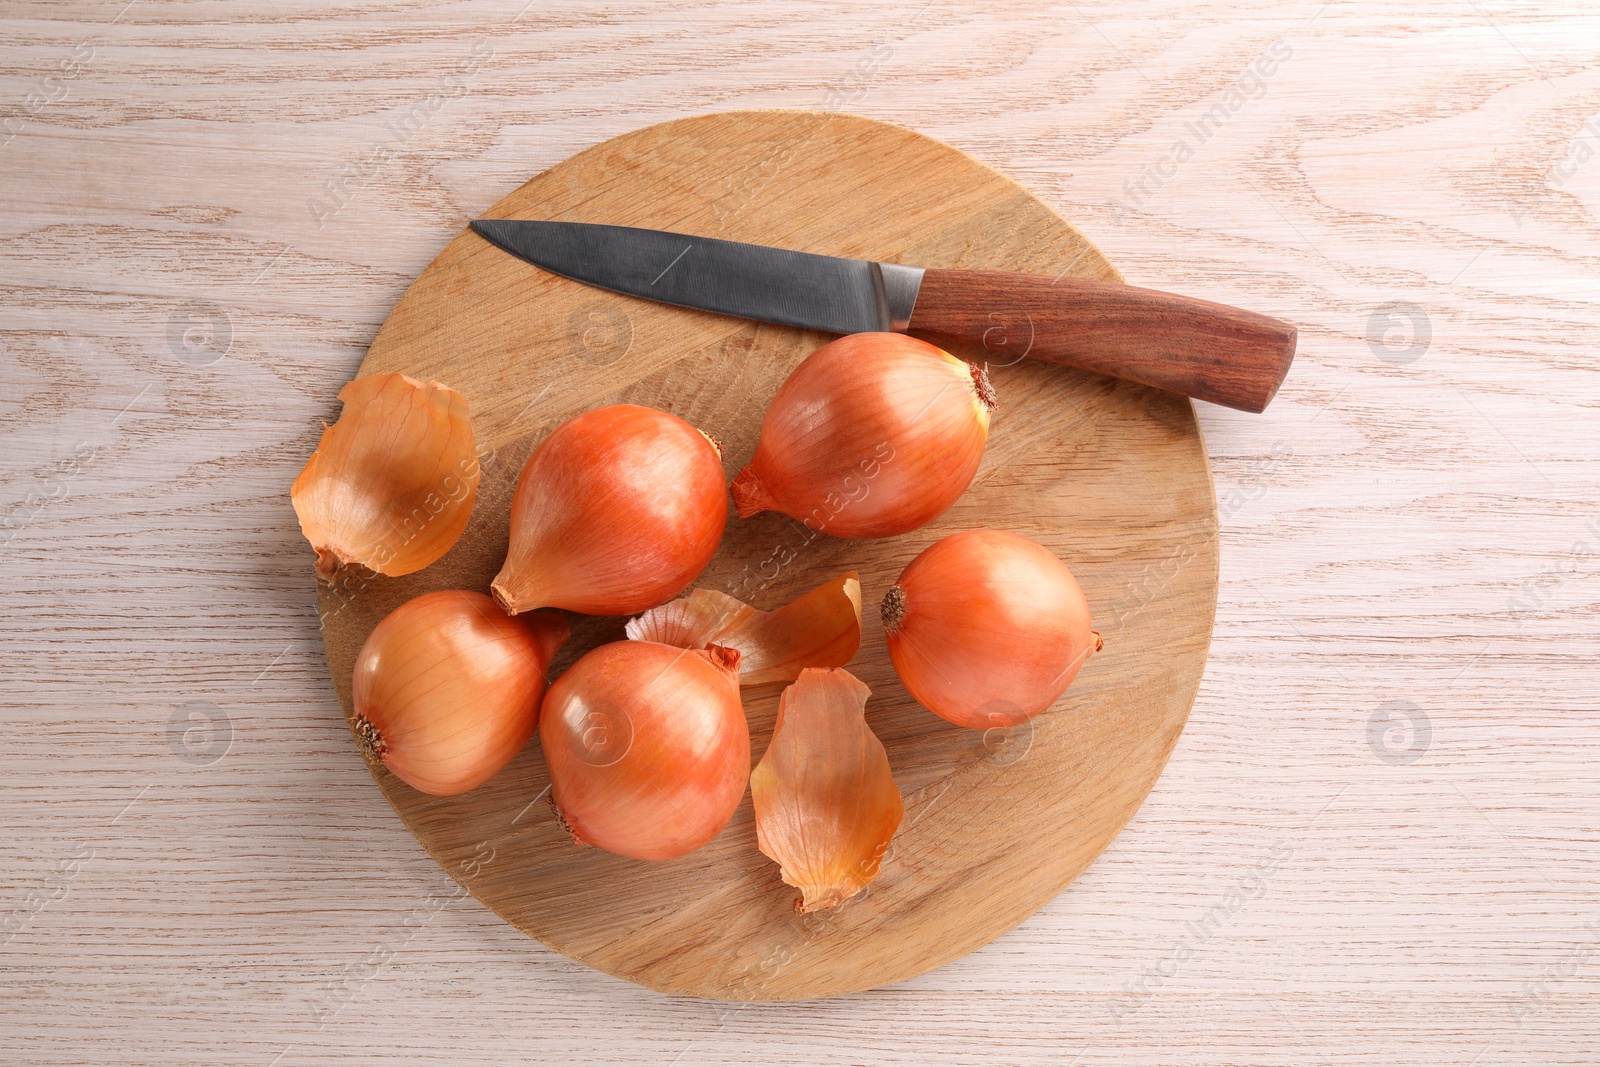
[{"x": 897, "y": 286}]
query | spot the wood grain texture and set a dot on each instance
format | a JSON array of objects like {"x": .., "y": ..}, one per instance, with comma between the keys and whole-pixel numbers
[
  {"x": 1197, "y": 348},
  {"x": 1001, "y": 820},
  {"x": 1408, "y": 528}
]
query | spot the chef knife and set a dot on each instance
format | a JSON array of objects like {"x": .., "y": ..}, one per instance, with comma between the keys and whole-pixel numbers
[{"x": 1208, "y": 351}]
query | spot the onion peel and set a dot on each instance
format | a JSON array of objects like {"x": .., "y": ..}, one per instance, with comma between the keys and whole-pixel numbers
[
  {"x": 392, "y": 482},
  {"x": 825, "y": 800},
  {"x": 820, "y": 629}
]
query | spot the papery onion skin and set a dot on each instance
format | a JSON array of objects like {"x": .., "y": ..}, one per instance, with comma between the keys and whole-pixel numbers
[
  {"x": 647, "y": 746},
  {"x": 825, "y": 801},
  {"x": 616, "y": 511},
  {"x": 874, "y": 434},
  {"x": 447, "y": 688},
  {"x": 820, "y": 629},
  {"x": 987, "y": 628},
  {"x": 392, "y": 483}
]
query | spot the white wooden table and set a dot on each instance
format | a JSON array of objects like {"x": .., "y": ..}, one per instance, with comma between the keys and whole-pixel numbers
[{"x": 1377, "y": 840}]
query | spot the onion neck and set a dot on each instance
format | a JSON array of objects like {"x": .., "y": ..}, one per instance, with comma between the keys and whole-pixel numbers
[
  {"x": 723, "y": 657},
  {"x": 750, "y": 497},
  {"x": 551, "y": 630},
  {"x": 329, "y": 562},
  {"x": 508, "y": 601}
]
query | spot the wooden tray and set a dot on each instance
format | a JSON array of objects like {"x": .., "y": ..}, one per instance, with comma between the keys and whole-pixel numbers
[{"x": 1111, "y": 476}]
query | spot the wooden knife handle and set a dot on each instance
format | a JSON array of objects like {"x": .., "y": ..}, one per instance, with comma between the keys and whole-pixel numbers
[{"x": 1208, "y": 351}]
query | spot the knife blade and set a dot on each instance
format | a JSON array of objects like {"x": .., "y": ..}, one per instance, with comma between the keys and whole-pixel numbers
[{"x": 1201, "y": 349}]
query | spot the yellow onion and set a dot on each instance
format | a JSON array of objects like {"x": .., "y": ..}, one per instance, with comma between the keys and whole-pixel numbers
[
  {"x": 987, "y": 628},
  {"x": 391, "y": 484},
  {"x": 820, "y": 629},
  {"x": 873, "y": 435},
  {"x": 647, "y": 747},
  {"x": 447, "y": 688},
  {"x": 826, "y": 803},
  {"x": 616, "y": 511}
]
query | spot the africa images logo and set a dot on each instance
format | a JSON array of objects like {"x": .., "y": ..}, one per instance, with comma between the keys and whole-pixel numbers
[{"x": 1251, "y": 85}]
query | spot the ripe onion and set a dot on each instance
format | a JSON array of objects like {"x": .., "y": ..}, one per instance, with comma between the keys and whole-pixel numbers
[
  {"x": 391, "y": 484},
  {"x": 647, "y": 746},
  {"x": 616, "y": 511},
  {"x": 826, "y": 803},
  {"x": 820, "y": 629},
  {"x": 447, "y": 688},
  {"x": 874, "y": 434},
  {"x": 987, "y": 628}
]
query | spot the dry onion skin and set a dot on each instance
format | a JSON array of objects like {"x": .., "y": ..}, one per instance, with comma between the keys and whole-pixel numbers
[
  {"x": 647, "y": 746},
  {"x": 820, "y": 629},
  {"x": 987, "y": 628},
  {"x": 873, "y": 435},
  {"x": 616, "y": 511},
  {"x": 447, "y": 688},
  {"x": 826, "y": 803},
  {"x": 391, "y": 484}
]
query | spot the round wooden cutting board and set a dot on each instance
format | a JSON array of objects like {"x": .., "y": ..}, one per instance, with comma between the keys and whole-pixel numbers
[{"x": 1111, "y": 476}]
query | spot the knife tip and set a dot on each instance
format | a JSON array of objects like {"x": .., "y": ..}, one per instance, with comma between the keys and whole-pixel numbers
[{"x": 497, "y": 232}]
